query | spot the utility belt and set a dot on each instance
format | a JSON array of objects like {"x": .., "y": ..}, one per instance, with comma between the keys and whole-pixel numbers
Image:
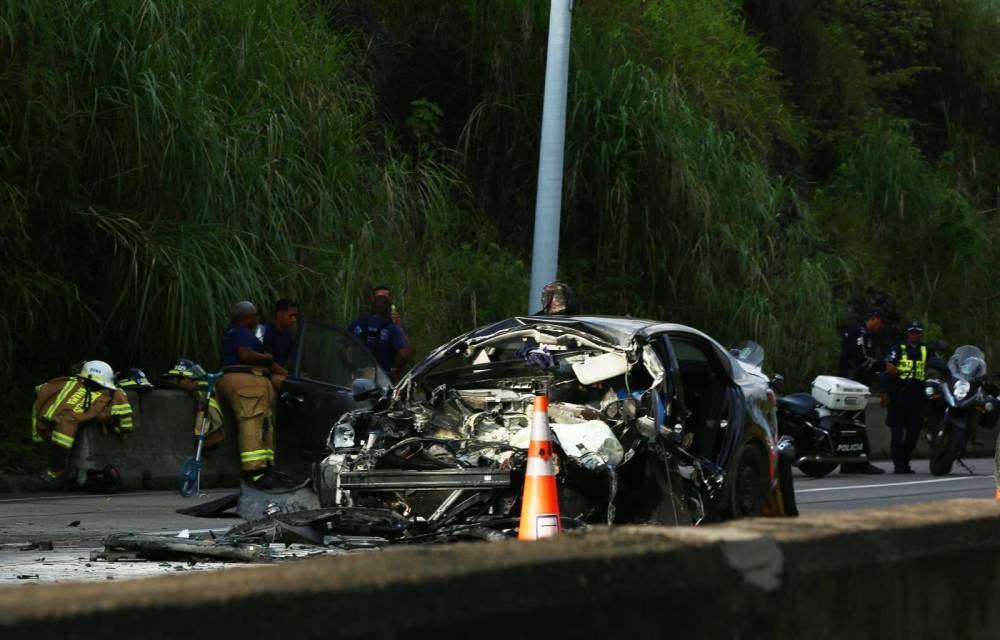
[{"x": 256, "y": 371}]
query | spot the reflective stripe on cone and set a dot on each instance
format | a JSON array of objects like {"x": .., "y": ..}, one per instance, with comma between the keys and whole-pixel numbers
[{"x": 540, "y": 501}]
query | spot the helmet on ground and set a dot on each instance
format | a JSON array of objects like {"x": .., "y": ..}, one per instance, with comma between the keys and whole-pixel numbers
[
  {"x": 99, "y": 372},
  {"x": 558, "y": 299},
  {"x": 185, "y": 368},
  {"x": 134, "y": 379}
]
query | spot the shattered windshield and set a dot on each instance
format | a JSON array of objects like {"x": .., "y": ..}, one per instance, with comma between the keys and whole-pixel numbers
[{"x": 528, "y": 355}]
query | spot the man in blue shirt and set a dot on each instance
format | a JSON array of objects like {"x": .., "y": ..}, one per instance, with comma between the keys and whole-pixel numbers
[
  {"x": 245, "y": 384},
  {"x": 278, "y": 339},
  {"x": 384, "y": 339}
]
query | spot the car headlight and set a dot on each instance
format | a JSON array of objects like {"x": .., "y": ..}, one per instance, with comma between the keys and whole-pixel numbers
[
  {"x": 962, "y": 389},
  {"x": 343, "y": 436}
]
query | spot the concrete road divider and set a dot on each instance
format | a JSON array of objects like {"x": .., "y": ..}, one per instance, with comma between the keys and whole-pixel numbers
[
  {"x": 930, "y": 570},
  {"x": 151, "y": 456}
]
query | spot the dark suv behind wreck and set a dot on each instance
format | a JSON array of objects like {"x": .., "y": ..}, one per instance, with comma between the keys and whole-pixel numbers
[{"x": 652, "y": 423}]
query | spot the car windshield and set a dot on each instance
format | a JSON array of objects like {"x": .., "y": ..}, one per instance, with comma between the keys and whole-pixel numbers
[{"x": 967, "y": 363}]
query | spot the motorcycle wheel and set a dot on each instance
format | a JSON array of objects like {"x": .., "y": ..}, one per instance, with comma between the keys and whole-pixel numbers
[
  {"x": 816, "y": 469},
  {"x": 948, "y": 448}
]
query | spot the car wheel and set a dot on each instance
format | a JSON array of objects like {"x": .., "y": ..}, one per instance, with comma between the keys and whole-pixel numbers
[
  {"x": 816, "y": 469},
  {"x": 749, "y": 485}
]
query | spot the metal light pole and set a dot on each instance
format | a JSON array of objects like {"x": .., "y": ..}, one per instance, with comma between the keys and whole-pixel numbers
[{"x": 548, "y": 198}]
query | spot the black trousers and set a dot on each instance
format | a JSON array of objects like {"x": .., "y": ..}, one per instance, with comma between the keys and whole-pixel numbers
[{"x": 905, "y": 418}]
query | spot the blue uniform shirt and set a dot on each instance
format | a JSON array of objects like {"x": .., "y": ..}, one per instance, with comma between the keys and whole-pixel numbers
[
  {"x": 237, "y": 336},
  {"x": 280, "y": 344},
  {"x": 383, "y": 338}
]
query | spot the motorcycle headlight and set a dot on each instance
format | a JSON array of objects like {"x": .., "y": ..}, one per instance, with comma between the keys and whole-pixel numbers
[
  {"x": 988, "y": 407},
  {"x": 928, "y": 391},
  {"x": 961, "y": 389}
]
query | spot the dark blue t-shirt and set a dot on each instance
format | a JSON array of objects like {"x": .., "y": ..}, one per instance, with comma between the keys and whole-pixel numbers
[
  {"x": 381, "y": 336},
  {"x": 238, "y": 336},
  {"x": 280, "y": 344}
]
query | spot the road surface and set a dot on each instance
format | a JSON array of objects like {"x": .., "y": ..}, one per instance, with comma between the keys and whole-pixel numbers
[
  {"x": 27, "y": 518},
  {"x": 839, "y": 492}
]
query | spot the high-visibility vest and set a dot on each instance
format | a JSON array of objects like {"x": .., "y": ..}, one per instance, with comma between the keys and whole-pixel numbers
[{"x": 912, "y": 369}]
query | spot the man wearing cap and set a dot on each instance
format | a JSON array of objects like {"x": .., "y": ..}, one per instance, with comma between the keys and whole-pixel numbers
[
  {"x": 905, "y": 372},
  {"x": 245, "y": 384},
  {"x": 857, "y": 362}
]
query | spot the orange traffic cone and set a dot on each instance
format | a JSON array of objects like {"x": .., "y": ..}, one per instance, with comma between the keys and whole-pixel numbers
[
  {"x": 997, "y": 496},
  {"x": 540, "y": 503}
]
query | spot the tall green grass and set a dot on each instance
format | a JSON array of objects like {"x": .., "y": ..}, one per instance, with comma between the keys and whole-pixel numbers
[{"x": 162, "y": 160}]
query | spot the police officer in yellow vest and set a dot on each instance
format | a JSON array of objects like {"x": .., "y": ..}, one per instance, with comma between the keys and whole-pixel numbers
[
  {"x": 905, "y": 372},
  {"x": 246, "y": 385}
]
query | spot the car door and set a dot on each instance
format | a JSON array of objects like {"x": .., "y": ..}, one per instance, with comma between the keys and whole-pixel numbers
[{"x": 329, "y": 362}]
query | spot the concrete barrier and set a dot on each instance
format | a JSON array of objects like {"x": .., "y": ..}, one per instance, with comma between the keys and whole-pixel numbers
[
  {"x": 879, "y": 437},
  {"x": 151, "y": 456},
  {"x": 919, "y": 571}
]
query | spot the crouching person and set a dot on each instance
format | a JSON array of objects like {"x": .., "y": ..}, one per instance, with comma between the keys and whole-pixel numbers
[
  {"x": 246, "y": 385},
  {"x": 63, "y": 405}
]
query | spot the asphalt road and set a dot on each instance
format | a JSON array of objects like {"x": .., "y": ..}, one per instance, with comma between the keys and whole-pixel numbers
[
  {"x": 27, "y": 518},
  {"x": 840, "y": 492}
]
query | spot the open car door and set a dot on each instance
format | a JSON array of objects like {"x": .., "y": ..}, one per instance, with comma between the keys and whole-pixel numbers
[{"x": 318, "y": 390}]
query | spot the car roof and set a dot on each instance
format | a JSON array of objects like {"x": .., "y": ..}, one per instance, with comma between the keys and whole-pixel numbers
[{"x": 615, "y": 329}]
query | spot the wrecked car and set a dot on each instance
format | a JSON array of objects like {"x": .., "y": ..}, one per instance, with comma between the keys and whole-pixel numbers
[{"x": 651, "y": 423}]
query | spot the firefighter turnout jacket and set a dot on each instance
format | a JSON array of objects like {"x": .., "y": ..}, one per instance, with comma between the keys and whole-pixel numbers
[{"x": 62, "y": 405}]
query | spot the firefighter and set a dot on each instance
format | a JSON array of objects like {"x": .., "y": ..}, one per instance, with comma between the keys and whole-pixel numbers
[
  {"x": 905, "y": 372},
  {"x": 63, "y": 405},
  {"x": 246, "y": 385},
  {"x": 858, "y": 362}
]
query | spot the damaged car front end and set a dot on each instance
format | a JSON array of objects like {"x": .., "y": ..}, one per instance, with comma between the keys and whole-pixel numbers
[{"x": 652, "y": 423}]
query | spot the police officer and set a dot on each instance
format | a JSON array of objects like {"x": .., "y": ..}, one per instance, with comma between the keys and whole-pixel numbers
[
  {"x": 246, "y": 385},
  {"x": 905, "y": 372},
  {"x": 858, "y": 362}
]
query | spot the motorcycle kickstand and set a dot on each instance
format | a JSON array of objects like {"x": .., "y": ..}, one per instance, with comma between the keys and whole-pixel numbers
[{"x": 961, "y": 463}]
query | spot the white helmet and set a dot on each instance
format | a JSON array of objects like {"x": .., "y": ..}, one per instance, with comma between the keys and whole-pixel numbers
[{"x": 100, "y": 372}]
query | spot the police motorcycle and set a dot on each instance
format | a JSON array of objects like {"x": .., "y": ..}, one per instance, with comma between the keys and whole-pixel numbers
[
  {"x": 826, "y": 426},
  {"x": 957, "y": 407}
]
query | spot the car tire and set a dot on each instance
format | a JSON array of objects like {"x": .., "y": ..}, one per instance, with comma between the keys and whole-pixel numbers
[
  {"x": 749, "y": 482},
  {"x": 816, "y": 469}
]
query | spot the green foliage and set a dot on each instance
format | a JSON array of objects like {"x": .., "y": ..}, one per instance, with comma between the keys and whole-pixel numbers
[
  {"x": 163, "y": 160},
  {"x": 750, "y": 167}
]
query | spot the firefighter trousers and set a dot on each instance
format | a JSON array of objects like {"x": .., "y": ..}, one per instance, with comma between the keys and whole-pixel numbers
[{"x": 250, "y": 395}]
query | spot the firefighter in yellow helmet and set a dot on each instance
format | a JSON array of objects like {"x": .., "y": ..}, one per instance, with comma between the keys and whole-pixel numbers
[
  {"x": 246, "y": 385},
  {"x": 63, "y": 405}
]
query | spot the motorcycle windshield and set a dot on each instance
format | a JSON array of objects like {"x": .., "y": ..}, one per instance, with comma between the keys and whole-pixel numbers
[
  {"x": 967, "y": 363},
  {"x": 749, "y": 352}
]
